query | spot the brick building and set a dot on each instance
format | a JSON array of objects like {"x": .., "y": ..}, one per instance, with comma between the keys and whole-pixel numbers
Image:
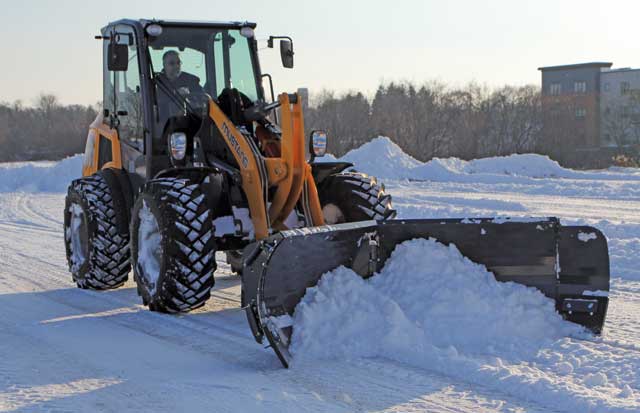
[
  {"x": 590, "y": 112},
  {"x": 571, "y": 102}
]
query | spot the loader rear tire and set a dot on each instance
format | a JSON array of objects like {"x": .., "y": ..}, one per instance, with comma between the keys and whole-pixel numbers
[
  {"x": 97, "y": 253},
  {"x": 173, "y": 245},
  {"x": 352, "y": 197}
]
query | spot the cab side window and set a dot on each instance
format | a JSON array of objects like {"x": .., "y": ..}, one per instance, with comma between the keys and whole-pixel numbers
[
  {"x": 128, "y": 94},
  {"x": 108, "y": 97}
]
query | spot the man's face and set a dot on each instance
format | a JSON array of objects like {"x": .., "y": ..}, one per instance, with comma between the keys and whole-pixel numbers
[{"x": 171, "y": 66}]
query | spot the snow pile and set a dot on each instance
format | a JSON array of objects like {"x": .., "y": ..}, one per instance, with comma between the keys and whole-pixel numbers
[
  {"x": 427, "y": 295},
  {"x": 40, "y": 176},
  {"x": 433, "y": 308},
  {"x": 530, "y": 164},
  {"x": 381, "y": 157},
  {"x": 505, "y": 169}
]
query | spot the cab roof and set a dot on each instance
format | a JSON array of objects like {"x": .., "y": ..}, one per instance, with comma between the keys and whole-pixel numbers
[{"x": 186, "y": 23}]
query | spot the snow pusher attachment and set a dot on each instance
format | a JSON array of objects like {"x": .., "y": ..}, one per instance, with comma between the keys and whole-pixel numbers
[{"x": 568, "y": 264}]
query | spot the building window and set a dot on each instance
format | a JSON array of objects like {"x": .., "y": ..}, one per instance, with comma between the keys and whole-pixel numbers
[
  {"x": 626, "y": 111},
  {"x": 581, "y": 113},
  {"x": 580, "y": 87},
  {"x": 606, "y": 86},
  {"x": 624, "y": 88},
  {"x": 555, "y": 89}
]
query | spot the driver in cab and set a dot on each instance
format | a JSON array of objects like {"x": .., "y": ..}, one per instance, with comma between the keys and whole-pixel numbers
[{"x": 182, "y": 83}]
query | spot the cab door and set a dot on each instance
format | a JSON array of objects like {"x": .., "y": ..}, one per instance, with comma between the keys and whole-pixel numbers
[
  {"x": 120, "y": 136},
  {"x": 128, "y": 105}
]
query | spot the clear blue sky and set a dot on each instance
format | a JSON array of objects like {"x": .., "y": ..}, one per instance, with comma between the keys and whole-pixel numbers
[{"x": 48, "y": 46}]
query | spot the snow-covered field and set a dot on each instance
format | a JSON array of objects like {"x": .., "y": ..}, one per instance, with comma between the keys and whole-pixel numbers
[{"x": 392, "y": 348}]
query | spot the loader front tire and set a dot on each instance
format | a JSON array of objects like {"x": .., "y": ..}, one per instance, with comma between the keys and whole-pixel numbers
[
  {"x": 173, "y": 245},
  {"x": 352, "y": 197},
  {"x": 97, "y": 253}
]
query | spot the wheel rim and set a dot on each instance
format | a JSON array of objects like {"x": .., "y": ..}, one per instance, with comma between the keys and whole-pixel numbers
[
  {"x": 149, "y": 248},
  {"x": 333, "y": 214},
  {"x": 78, "y": 236}
]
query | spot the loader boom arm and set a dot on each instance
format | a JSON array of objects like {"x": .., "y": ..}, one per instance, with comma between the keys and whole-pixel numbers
[{"x": 289, "y": 173}]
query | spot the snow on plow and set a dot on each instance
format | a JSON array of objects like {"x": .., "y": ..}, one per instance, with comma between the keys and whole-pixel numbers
[{"x": 567, "y": 264}]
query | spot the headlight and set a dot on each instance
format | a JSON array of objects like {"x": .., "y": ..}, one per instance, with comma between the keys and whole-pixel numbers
[
  {"x": 178, "y": 145},
  {"x": 318, "y": 143}
]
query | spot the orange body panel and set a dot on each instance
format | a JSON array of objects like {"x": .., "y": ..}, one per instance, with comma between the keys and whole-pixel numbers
[
  {"x": 293, "y": 139},
  {"x": 251, "y": 182},
  {"x": 314, "y": 202},
  {"x": 286, "y": 155},
  {"x": 100, "y": 129},
  {"x": 288, "y": 173}
]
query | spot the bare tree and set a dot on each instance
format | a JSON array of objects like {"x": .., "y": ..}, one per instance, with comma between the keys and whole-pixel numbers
[{"x": 48, "y": 130}]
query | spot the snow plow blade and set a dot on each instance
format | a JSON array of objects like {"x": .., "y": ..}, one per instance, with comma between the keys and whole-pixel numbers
[{"x": 568, "y": 264}]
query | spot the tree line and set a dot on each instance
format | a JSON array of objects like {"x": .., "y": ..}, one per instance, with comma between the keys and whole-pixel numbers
[
  {"x": 433, "y": 120},
  {"x": 48, "y": 130}
]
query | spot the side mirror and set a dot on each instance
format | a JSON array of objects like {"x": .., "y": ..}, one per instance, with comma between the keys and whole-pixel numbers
[
  {"x": 286, "y": 53},
  {"x": 317, "y": 143},
  {"x": 118, "y": 57}
]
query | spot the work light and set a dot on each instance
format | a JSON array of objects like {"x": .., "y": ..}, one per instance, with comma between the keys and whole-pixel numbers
[
  {"x": 178, "y": 145},
  {"x": 318, "y": 144}
]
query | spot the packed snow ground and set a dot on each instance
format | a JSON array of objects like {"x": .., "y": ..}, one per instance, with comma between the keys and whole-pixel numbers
[{"x": 67, "y": 349}]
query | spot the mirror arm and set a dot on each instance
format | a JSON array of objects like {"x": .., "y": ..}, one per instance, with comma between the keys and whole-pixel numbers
[{"x": 272, "y": 38}]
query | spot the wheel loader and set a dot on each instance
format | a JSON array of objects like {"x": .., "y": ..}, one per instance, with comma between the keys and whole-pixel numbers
[{"x": 189, "y": 157}]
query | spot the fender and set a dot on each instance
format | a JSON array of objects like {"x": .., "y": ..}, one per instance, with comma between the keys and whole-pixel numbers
[
  {"x": 191, "y": 172},
  {"x": 214, "y": 187},
  {"x": 322, "y": 170}
]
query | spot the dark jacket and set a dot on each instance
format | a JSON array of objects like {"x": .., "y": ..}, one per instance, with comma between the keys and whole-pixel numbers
[
  {"x": 185, "y": 79},
  {"x": 166, "y": 105}
]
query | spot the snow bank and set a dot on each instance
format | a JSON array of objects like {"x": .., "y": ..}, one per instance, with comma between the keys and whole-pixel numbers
[
  {"x": 383, "y": 158},
  {"x": 531, "y": 165},
  {"x": 40, "y": 176},
  {"x": 428, "y": 295},
  {"x": 431, "y": 307}
]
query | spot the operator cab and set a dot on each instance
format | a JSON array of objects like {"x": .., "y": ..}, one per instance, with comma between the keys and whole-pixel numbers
[{"x": 159, "y": 76}]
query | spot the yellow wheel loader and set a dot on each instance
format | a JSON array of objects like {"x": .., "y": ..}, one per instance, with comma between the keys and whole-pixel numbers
[{"x": 189, "y": 157}]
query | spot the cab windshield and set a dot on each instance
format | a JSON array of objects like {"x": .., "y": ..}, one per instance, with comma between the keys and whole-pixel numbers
[{"x": 195, "y": 62}]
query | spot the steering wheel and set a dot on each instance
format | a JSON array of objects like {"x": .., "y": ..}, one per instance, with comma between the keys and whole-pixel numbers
[{"x": 198, "y": 99}]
